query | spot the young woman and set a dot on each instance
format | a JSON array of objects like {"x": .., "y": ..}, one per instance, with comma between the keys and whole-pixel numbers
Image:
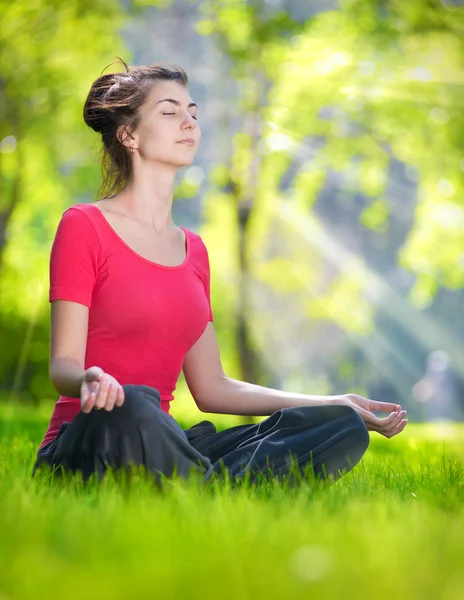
[{"x": 130, "y": 309}]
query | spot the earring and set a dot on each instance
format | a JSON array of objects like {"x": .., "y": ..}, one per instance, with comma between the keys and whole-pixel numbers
[{"x": 132, "y": 151}]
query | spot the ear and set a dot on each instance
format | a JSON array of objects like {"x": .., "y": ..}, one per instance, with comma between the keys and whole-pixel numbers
[{"x": 125, "y": 137}]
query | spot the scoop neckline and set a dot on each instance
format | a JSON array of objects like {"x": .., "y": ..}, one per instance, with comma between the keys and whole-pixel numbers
[{"x": 132, "y": 251}]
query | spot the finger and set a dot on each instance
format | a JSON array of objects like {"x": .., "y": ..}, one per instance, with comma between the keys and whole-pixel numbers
[
  {"x": 92, "y": 378},
  {"x": 398, "y": 429},
  {"x": 89, "y": 403},
  {"x": 87, "y": 389},
  {"x": 384, "y": 406},
  {"x": 102, "y": 394},
  {"x": 401, "y": 416},
  {"x": 393, "y": 419},
  {"x": 392, "y": 422},
  {"x": 94, "y": 386},
  {"x": 120, "y": 398},
  {"x": 400, "y": 426},
  {"x": 385, "y": 425},
  {"x": 111, "y": 398},
  {"x": 368, "y": 417}
]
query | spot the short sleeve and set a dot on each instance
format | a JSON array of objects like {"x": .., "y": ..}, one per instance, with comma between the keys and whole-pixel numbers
[
  {"x": 74, "y": 259},
  {"x": 206, "y": 278}
]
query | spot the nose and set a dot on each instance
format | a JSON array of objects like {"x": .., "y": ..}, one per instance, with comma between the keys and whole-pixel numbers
[{"x": 189, "y": 122}]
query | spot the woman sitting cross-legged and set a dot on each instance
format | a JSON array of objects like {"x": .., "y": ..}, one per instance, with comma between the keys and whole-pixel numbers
[{"x": 130, "y": 309}]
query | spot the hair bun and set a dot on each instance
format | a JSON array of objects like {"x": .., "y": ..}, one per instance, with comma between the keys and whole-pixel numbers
[{"x": 97, "y": 114}]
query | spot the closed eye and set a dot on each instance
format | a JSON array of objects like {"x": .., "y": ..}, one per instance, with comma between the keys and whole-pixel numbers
[{"x": 171, "y": 113}]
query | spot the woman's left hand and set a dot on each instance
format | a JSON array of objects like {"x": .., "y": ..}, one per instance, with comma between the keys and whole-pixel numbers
[{"x": 386, "y": 426}]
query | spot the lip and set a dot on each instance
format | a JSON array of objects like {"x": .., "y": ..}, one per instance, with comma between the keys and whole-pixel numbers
[{"x": 187, "y": 141}]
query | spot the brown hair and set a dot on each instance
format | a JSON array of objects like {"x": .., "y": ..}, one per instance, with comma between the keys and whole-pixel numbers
[{"x": 113, "y": 100}]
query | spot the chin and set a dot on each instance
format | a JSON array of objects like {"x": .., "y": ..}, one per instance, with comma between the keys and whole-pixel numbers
[{"x": 184, "y": 163}]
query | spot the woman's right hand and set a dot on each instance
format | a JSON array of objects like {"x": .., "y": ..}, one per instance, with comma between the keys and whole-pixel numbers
[
  {"x": 386, "y": 426},
  {"x": 100, "y": 390}
]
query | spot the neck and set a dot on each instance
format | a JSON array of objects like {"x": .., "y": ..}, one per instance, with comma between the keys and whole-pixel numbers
[{"x": 148, "y": 196}]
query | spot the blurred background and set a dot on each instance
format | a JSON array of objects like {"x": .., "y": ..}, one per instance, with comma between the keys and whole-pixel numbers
[{"x": 328, "y": 188}]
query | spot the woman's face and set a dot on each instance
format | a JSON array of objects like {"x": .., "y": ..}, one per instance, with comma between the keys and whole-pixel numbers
[{"x": 168, "y": 131}]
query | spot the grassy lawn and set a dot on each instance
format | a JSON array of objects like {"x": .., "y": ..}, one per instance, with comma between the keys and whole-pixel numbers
[{"x": 392, "y": 528}]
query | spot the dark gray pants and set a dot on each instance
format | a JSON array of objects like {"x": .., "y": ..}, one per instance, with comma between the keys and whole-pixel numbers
[{"x": 328, "y": 439}]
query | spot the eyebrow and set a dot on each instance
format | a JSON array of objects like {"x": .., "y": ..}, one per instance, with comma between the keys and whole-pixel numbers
[{"x": 176, "y": 102}]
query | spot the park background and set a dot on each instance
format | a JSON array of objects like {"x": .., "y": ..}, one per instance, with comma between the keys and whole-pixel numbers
[{"x": 328, "y": 186}]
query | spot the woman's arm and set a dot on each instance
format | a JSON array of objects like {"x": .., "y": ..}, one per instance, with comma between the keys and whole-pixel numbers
[
  {"x": 214, "y": 392},
  {"x": 68, "y": 340},
  {"x": 242, "y": 398}
]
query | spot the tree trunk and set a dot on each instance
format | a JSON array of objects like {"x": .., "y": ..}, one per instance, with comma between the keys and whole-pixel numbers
[{"x": 250, "y": 363}]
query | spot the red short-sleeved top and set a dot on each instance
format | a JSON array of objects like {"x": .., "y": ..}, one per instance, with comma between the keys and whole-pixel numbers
[{"x": 143, "y": 317}]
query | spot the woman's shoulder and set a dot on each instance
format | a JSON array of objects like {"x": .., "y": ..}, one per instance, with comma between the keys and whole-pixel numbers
[
  {"x": 87, "y": 209},
  {"x": 76, "y": 238},
  {"x": 198, "y": 251},
  {"x": 81, "y": 217},
  {"x": 196, "y": 240},
  {"x": 79, "y": 221}
]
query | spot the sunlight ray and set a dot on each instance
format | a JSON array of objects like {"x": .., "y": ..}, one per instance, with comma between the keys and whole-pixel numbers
[{"x": 416, "y": 323}]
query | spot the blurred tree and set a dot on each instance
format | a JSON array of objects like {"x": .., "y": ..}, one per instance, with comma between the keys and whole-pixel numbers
[
  {"x": 51, "y": 52},
  {"x": 385, "y": 83},
  {"x": 344, "y": 183},
  {"x": 244, "y": 32},
  {"x": 364, "y": 127},
  {"x": 333, "y": 179}
]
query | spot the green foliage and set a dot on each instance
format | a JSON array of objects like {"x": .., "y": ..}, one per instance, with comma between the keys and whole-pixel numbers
[
  {"x": 378, "y": 84},
  {"x": 54, "y": 53},
  {"x": 347, "y": 93},
  {"x": 51, "y": 52}
]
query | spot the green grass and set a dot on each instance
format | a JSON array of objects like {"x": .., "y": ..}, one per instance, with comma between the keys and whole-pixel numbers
[{"x": 391, "y": 528}]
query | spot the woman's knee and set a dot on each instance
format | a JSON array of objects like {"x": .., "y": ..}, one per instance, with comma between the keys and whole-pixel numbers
[
  {"x": 141, "y": 402},
  {"x": 140, "y": 395}
]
